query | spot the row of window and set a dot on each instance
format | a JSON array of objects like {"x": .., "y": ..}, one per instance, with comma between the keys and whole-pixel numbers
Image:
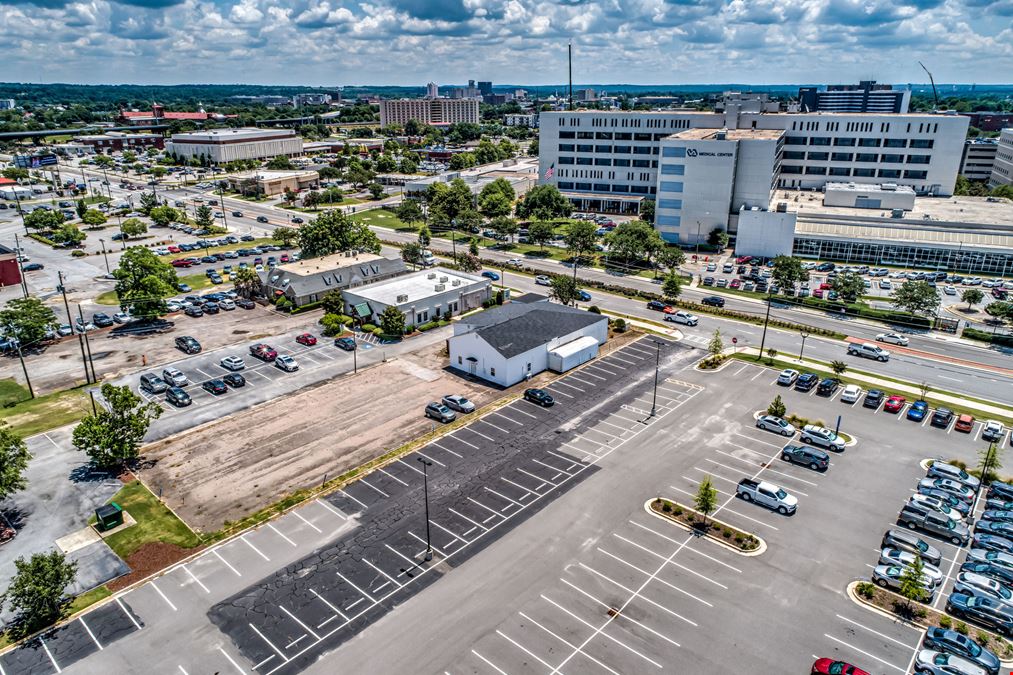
[
  {"x": 613, "y": 149},
  {"x": 859, "y": 157},
  {"x": 861, "y": 142},
  {"x": 846, "y": 171},
  {"x": 606, "y": 161},
  {"x": 609, "y": 136},
  {"x": 604, "y": 187}
]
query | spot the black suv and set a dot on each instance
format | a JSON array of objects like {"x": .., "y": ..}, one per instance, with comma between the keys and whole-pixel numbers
[
  {"x": 826, "y": 387},
  {"x": 539, "y": 396},
  {"x": 188, "y": 345},
  {"x": 178, "y": 397},
  {"x": 986, "y": 611},
  {"x": 216, "y": 387},
  {"x": 101, "y": 320},
  {"x": 806, "y": 381},
  {"x": 656, "y": 305},
  {"x": 941, "y": 418},
  {"x": 814, "y": 458},
  {"x": 873, "y": 398},
  {"x": 193, "y": 310},
  {"x": 713, "y": 301}
]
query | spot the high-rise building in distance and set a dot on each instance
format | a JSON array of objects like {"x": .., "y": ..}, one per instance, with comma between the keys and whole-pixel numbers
[{"x": 864, "y": 97}]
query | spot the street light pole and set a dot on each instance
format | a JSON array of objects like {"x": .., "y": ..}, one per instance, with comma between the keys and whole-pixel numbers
[
  {"x": 425, "y": 483},
  {"x": 804, "y": 336},
  {"x": 70, "y": 322},
  {"x": 657, "y": 365},
  {"x": 104, "y": 255},
  {"x": 766, "y": 320}
]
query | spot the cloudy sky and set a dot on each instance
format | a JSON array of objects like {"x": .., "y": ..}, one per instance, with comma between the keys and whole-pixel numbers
[{"x": 409, "y": 42}]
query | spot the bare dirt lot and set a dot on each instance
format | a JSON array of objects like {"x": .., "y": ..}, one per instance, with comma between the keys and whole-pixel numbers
[{"x": 228, "y": 469}]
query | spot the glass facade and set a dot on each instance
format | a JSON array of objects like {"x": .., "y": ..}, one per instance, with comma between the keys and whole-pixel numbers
[{"x": 904, "y": 255}]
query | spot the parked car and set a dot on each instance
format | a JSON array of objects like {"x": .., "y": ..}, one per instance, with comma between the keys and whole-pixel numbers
[
  {"x": 684, "y": 318},
  {"x": 827, "y": 386},
  {"x": 889, "y": 576},
  {"x": 894, "y": 404},
  {"x": 1003, "y": 529},
  {"x": 908, "y": 541},
  {"x": 263, "y": 352},
  {"x": 1003, "y": 575},
  {"x": 893, "y": 339},
  {"x": 992, "y": 542},
  {"x": 894, "y": 556},
  {"x": 188, "y": 344},
  {"x": 947, "y": 498},
  {"x": 851, "y": 393},
  {"x": 931, "y": 662},
  {"x": 931, "y": 521},
  {"x": 306, "y": 339},
  {"x": 814, "y": 458},
  {"x": 775, "y": 424},
  {"x": 1000, "y": 489},
  {"x": 952, "y": 642},
  {"x": 153, "y": 384},
  {"x": 992, "y": 430},
  {"x": 286, "y": 363},
  {"x": 955, "y": 488},
  {"x": 954, "y": 473},
  {"x": 993, "y": 557},
  {"x": 873, "y": 398},
  {"x": 964, "y": 423},
  {"x": 923, "y": 501},
  {"x": 440, "y": 412},
  {"x": 346, "y": 343},
  {"x": 788, "y": 377},
  {"x": 245, "y": 303},
  {"x": 458, "y": 403},
  {"x": 216, "y": 387},
  {"x": 917, "y": 411},
  {"x": 806, "y": 381},
  {"x": 827, "y": 666},
  {"x": 980, "y": 586},
  {"x": 174, "y": 377},
  {"x": 101, "y": 320},
  {"x": 232, "y": 363},
  {"x": 767, "y": 494},
  {"x": 194, "y": 311},
  {"x": 987, "y": 612},
  {"x": 941, "y": 418},
  {"x": 178, "y": 397},
  {"x": 539, "y": 396}
]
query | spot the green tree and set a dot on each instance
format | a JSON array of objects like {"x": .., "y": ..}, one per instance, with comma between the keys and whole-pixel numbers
[
  {"x": 411, "y": 253},
  {"x": 104, "y": 161},
  {"x": 425, "y": 237},
  {"x": 143, "y": 281},
  {"x": 634, "y": 240},
  {"x": 158, "y": 171},
  {"x": 671, "y": 287},
  {"x": 204, "y": 217},
  {"x": 989, "y": 462},
  {"x": 80, "y": 208},
  {"x": 359, "y": 175},
  {"x": 911, "y": 581},
  {"x": 14, "y": 458},
  {"x": 716, "y": 344},
  {"x": 332, "y": 232},
  {"x": 148, "y": 202},
  {"x": 468, "y": 218},
  {"x": 280, "y": 163},
  {"x": 473, "y": 247},
  {"x": 42, "y": 220},
  {"x": 972, "y": 296},
  {"x": 386, "y": 164},
  {"x": 311, "y": 200},
  {"x": 67, "y": 234},
  {"x": 408, "y": 165},
  {"x": 462, "y": 160},
  {"x": 544, "y": 202},
  {"x": 564, "y": 289},
  {"x": 392, "y": 321},
  {"x": 94, "y": 218},
  {"x": 163, "y": 215},
  {"x": 718, "y": 238},
  {"x": 495, "y": 205},
  {"x": 409, "y": 212},
  {"x": 541, "y": 232},
  {"x": 375, "y": 190},
  {"x": 706, "y": 499},
  {"x": 111, "y": 437},
  {"x": 286, "y": 236},
  {"x": 581, "y": 239},
  {"x": 670, "y": 258},
  {"x": 469, "y": 263},
  {"x": 504, "y": 225},
  {"x": 133, "y": 227},
  {"x": 839, "y": 367},
  {"x": 246, "y": 281},
  {"x": 15, "y": 173},
  {"x": 849, "y": 285},
  {"x": 777, "y": 407},
  {"x": 916, "y": 297},
  {"x": 647, "y": 208},
  {"x": 26, "y": 320},
  {"x": 36, "y": 593},
  {"x": 788, "y": 271}
]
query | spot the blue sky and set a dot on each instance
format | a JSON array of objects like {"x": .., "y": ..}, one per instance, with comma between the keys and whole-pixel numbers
[{"x": 410, "y": 42}]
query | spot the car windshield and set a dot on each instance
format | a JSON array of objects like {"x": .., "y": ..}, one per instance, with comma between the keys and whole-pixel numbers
[
  {"x": 973, "y": 649},
  {"x": 922, "y": 546},
  {"x": 781, "y": 494}
]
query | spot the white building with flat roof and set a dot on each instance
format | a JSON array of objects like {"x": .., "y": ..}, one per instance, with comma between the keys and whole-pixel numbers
[
  {"x": 1002, "y": 168},
  {"x": 422, "y": 296},
  {"x": 226, "y": 145},
  {"x": 439, "y": 111},
  {"x": 978, "y": 159}
]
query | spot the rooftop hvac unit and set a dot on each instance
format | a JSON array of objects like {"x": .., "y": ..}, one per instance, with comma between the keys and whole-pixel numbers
[
  {"x": 440, "y": 288},
  {"x": 888, "y": 186},
  {"x": 456, "y": 282},
  {"x": 782, "y": 207},
  {"x": 402, "y": 298},
  {"x": 431, "y": 275},
  {"x": 443, "y": 279}
]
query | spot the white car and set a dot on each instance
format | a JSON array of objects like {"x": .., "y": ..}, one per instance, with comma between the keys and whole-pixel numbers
[
  {"x": 992, "y": 431},
  {"x": 233, "y": 363},
  {"x": 226, "y": 304},
  {"x": 937, "y": 505},
  {"x": 949, "y": 290},
  {"x": 893, "y": 556},
  {"x": 885, "y": 285},
  {"x": 543, "y": 280},
  {"x": 515, "y": 261},
  {"x": 683, "y": 317},
  {"x": 822, "y": 437},
  {"x": 892, "y": 338},
  {"x": 931, "y": 662},
  {"x": 175, "y": 377},
  {"x": 788, "y": 377},
  {"x": 286, "y": 363},
  {"x": 122, "y": 317},
  {"x": 851, "y": 393},
  {"x": 775, "y": 424}
]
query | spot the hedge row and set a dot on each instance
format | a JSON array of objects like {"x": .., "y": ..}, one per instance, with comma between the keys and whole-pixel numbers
[
  {"x": 305, "y": 308},
  {"x": 864, "y": 311},
  {"x": 40, "y": 238},
  {"x": 999, "y": 339}
]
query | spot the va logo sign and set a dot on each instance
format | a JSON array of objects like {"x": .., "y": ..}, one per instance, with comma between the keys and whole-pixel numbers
[{"x": 691, "y": 152}]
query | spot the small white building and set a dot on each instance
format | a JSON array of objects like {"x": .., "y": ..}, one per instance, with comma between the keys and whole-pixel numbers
[
  {"x": 865, "y": 196},
  {"x": 511, "y": 343},
  {"x": 422, "y": 296}
]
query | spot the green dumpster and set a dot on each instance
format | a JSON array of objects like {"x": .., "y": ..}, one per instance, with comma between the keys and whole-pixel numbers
[{"x": 109, "y": 516}]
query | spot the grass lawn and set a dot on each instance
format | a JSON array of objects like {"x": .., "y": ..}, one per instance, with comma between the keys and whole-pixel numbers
[
  {"x": 12, "y": 393},
  {"x": 155, "y": 522},
  {"x": 96, "y": 200},
  {"x": 33, "y": 416},
  {"x": 378, "y": 218},
  {"x": 88, "y": 599},
  {"x": 197, "y": 282}
]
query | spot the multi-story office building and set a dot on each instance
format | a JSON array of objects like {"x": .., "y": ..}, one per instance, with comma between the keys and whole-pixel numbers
[
  {"x": 990, "y": 121},
  {"x": 865, "y": 97},
  {"x": 520, "y": 120},
  {"x": 428, "y": 111},
  {"x": 978, "y": 158},
  {"x": 432, "y": 91},
  {"x": 226, "y": 145},
  {"x": 484, "y": 88},
  {"x": 1002, "y": 169},
  {"x": 6, "y": 104},
  {"x": 610, "y": 161}
]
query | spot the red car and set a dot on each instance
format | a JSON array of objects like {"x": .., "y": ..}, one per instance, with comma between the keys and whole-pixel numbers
[
  {"x": 736, "y": 283},
  {"x": 830, "y": 667},
  {"x": 263, "y": 352},
  {"x": 894, "y": 404},
  {"x": 669, "y": 309},
  {"x": 182, "y": 262},
  {"x": 174, "y": 249},
  {"x": 284, "y": 258},
  {"x": 306, "y": 339},
  {"x": 743, "y": 259}
]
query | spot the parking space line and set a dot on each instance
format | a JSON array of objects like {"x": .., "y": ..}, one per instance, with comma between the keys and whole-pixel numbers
[
  {"x": 621, "y": 428},
  {"x": 568, "y": 644},
  {"x": 541, "y": 481},
  {"x": 780, "y": 473},
  {"x": 129, "y": 615},
  {"x": 387, "y": 576},
  {"x": 516, "y": 408},
  {"x": 549, "y": 466},
  {"x": 478, "y": 433},
  {"x": 231, "y": 660},
  {"x": 865, "y": 653},
  {"x": 489, "y": 663},
  {"x": 557, "y": 392},
  {"x": 589, "y": 625},
  {"x": 159, "y": 591},
  {"x": 461, "y": 515},
  {"x": 437, "y": 445},
  {"x": 461, "y": 440},
  {"x": 280, "y": 534},
  {"x": 619, "y": 358},
  {"x": 499, "y": 414},
  {"x": 657, "y": 555},
  {"x": 492, "y": 511},
  {"x": 353, "y": 498},
  {"x": 206, "y": 376},
  {"x": 638, "y": 595},
  {"x": 758, "y": 440},
  {"x": 565, "y": 384},
  {"x": 585, "y": 371},
  {"x": 489, "y": 489},
  {"x": 401, "y": 461},
  {"x": 435, "y": 547},
  {"x": 366, "y": 595},
  {"x": 574, "y": 447},
  {"x": 675, "y": 541},
  {"x": 90, "y": 634},
  {"x": 390, "y": 475},
  {"x": 882, "y": 635},
  {"x": 522, "y": 648},
  {"x": 499, "y": 429},
  {"x": 434, "y": 461},
  {"x": 981, "y": 425},
  {"x": 369, "y": 485},
  {"x": 565, "y": 459},
  {"x": 648, "y": 574},
  {"x": 603, "y": 433},
  {"x": 337, "y": 612},
  {"x": 269, "y": 643},
  {"x": 192, "y": 576},
  {"x": 323, "y": 503},
  {"x": 51, "y": 659},
  {"x": 225, "y": 562},
  {"x": 255, "y": 549},
  {"x": 296, "y": 619},
  {"x": 455, "y": 536},
  {"x": 300, "y": 517}
]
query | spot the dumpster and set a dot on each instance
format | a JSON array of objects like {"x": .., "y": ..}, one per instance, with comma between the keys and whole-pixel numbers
[{"x": 109, "y": 516}]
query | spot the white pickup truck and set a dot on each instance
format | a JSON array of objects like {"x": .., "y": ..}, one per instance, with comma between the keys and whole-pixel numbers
[
  {"x": 869, "y": 351},
  {"x": 767, "y": 494}
]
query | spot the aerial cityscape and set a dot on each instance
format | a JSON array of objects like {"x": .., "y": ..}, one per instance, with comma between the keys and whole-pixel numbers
[{"x": 328, "y": 350}]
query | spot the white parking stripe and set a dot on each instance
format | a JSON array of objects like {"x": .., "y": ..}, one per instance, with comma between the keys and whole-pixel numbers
[
  {"x": 882, "y": 635},
  {"x": 369, "y": 485},
  {"x": 865, "y": 653},
  {"x": 555, "y": 392},
  {"x": 461, "y": 440},
  {"x": 541, "y": 481},
  {"x": 648, "y": 574},
  {"x": 440, "y": 447},
  {"x": 129, "y": 615},
  {"x": 523, "y": 648},
  {"x": 392, "y": 476},
  {"x": 499, "y": 414},
  {"x": 90, "y": 634},
  {"x": 494, "y": 512},
  {"x": 478, "y": 433},
  {"x": 517, "y": 409},
  {"x": 620, "y": 615},
  {"x": 269, "y": 643},
  {"x": 499, "y": 429},
  {"x": 159, "y": 591},
  {"x": 225, "y": 562},
  {"x": 192, "y": 576},
  {"x": 337, "y": 612},
  {"x": 567, "y": 384},
  {"x": 256, "y": 550},
  {"x": 638, "y": 595},
  {"x": 280, "y": 534},
  {"x": 231, "y": 660},
  {"x": 387, "y": 576},
  {"x": 300, "y": 517},
  {"x": 519, "y": 486},
  {"x": 461, "y": 515},
  {"x": 618, "y": 642},
  {"x": 51, "y": 659},
  {"x": 353, "y": 499},
  {"x": 568, "y": 644},
  {"x": 434, "y": 461},
  {"x": 301, "y": 624},
  {"x": 490, "y": 663}
]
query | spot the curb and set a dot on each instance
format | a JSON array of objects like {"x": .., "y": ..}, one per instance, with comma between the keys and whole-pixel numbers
[{"x": 760, "y": 550}]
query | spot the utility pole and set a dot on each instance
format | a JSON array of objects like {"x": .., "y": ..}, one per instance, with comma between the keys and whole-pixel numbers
[
  {"x": 425, "y": 482},
  {"x": 103, "y": 242},
  {"x": 87, "y": 345},
  {"x": 766, "y": 320},
  {"x": 70, "y": 322},
  {"x": 804, "y": 336},
  {"x": 25, "y": 370},
  {"x": 21, "y": 265},
  {"x": 657, "y": 366}
]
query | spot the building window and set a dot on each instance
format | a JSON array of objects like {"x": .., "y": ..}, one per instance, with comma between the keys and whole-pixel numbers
[
  {"x": 793, "y": 154},
  {"x": 819, "y": 140},
  {"x": 921, "y": 159},
  {"x": 584, "y": 161},
  {"x": 639, "y": 189},
  {"x": 621, "y": 149},
  {"x": 673, "y": 169},
  {"x": 841, "y": 156},
  {"x": 620, "y": 188},
  {"x": 642, "y": 163},
  {"x": 916, "y": 174},
  {"x": 895, "y": 143},
  {"x": 601, "y": 187},
  {"x": 796, "y": 140},
  {"x": 492, "y": 372},
  {"x": 866, "y": 157},
  {"x": 819, "y": 156},
  {"x": 816, "y": 170},
  {"x": 583, "y": 186},
  {"x": 620, "y": 162},
  {"x": 642, "y": 137},
  {"x": 588, "y": 135},
  {"x": 789, "y": 168},
  {"x": 585, "y": 148},
  {"x": 670, "y": 186},
  {"x": 673, "y": 152},
  {"x": 599, "y": 161},
  {"x": 565, "y": 186},
  {"x": 565, "y": 160},
  {"x": 603, "y": 135},
  {"x": 921, "y": 142},
  {"x": 624, "y": 137},
  {"x": 844, "y": 141},
  {"x": 892, "y": 159},
  {"x": 566, "y": 134},
  {"x": 641, "y": 150},
  {"x": 460, "y": 361},
  {"x": 669, "y": 203},
  {"x": 889, "y": 173},
  {"x": 864, "y": 173},
  {"x": 668, "y": 221},
  {"x": 566, "y": 147},
  {"x": 840, "y": 171},
  {"x": 868, "y": 142}
]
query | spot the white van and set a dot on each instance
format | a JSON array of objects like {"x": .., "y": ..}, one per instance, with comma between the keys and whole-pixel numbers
[{"x": 428, "y": 259}]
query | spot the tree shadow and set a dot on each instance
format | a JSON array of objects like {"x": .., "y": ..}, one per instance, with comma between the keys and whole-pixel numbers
[{"x": 89, "y": 473}]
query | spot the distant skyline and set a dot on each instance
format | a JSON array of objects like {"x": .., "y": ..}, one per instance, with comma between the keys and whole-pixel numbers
[{"x": 411, "y": 42}]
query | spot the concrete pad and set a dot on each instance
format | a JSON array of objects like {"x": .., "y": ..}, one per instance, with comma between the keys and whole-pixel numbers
[
  {"x": 128, "y": 520},
  {"x": 96, "y": 564},
  {"x": 77, "y": 540}
]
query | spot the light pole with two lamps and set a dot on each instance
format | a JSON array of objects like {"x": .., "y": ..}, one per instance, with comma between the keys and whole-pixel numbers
[{"x": 425, "y": 482}]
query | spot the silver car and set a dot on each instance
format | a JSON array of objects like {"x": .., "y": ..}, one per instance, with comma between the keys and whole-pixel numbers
[
  {"x": 175, "y": 377},
  {"x": 233, "y": 363},
  {"x": 983, "y": 555},
  {"x": 893, "y": 556},
  {"x": 458, "y": 403},
  {"x": 954, "y": 473},
  {"x": 888, "y": 576},
  {"x": 822, "y": 437},
  {"x": 775, "y": 424},
  {"x": 980, "y": 586},
  {"x": 286, "y": 363},
  {"x": 931, "y": 662}
]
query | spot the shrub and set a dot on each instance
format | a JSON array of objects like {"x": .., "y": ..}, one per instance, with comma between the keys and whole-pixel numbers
[
  {"x": 378, "y": 332},
  {"x": 739, "y": 539},
  {"x": 1000, "y": 339},
  {"x": 678, "y": 510},
  {"x": 866, "y": 589},
  {"x": 594, "y": 309},
  {"x": 666, "y": 507},
  {"x": 332, "y": 325},
  {"x": 945, "y": 622},
  {"x": 777, "y": 407},
  {"x": 428, "y": 326},
  {"x": 960, "y": 627},
  {"x": 726, "y": 533},
  {"x": 77, "y": 253},
  {"x": 620, "y": 325},
  {"x": 306, "y": 308},
  {"x": 283, "y": 303},
  {"x": 368, "y": 327},
  {"x": 983, "y": 637}
]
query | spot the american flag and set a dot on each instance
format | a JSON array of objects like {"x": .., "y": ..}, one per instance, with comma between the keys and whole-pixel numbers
[{"x": 551, "y": 170}]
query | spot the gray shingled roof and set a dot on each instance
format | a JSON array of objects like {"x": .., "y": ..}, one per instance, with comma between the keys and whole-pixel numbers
[{"x": 516, "y": 328}]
